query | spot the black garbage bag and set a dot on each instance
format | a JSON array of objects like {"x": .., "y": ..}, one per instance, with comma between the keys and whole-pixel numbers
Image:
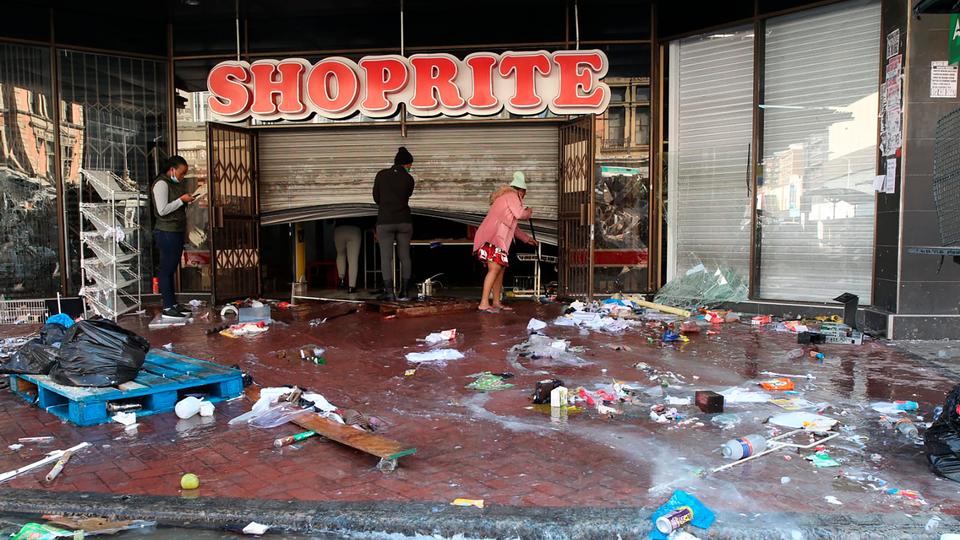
[
  {"x": 942, "y": 440},
  {"x": 38, "y": 355},
  {"x": 99, "y": 353}
]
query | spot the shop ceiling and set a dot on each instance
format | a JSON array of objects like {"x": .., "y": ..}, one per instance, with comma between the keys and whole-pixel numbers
[{"x": 207, "y": 26}]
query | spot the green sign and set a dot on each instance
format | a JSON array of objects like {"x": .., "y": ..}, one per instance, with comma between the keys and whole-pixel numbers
[{"x": 954, "y": 38}]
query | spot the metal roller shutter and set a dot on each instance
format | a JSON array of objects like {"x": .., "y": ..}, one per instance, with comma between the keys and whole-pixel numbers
[
  {"x": 708, "y": 169},
  {"x": 819, "y": 153},
  {"x": 328, "y": 172}
]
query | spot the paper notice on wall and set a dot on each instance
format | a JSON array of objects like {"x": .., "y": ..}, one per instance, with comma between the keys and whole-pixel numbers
[
  {"x": 893, "y": 42},
  {"x": 943, "y": 79},
  {"x": 893, "y": 67},
  {"x": 892, "y": 131},
  {"x": 878, "y": 182},
  {"x": 890, "y": 178}
]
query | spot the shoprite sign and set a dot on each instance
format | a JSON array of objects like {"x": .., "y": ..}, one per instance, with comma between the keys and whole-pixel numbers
[{"x": 524, "y": 83}]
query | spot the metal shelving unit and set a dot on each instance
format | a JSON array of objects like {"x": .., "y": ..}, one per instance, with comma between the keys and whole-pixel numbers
[{"x": 110, "y": 227}]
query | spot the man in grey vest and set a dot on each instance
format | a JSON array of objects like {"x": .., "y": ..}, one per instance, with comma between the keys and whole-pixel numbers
[{"x": 170, "y": 199}]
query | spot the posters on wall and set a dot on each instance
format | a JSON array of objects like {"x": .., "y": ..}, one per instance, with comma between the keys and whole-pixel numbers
[
  {"x": 943, "y": 79},
  {"x": 893, "y": 42},
  {"x": 890, "y": 104}
]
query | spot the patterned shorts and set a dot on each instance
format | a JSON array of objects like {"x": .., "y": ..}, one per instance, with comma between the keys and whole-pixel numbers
[{"x": 489, "y": 252}]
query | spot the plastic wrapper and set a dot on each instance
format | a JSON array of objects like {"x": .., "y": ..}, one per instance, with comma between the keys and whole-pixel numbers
[
  {"x": 704, "y": 286},
  {"x": 38, "y": 355},
  {"x": 99, "y": 353},
  {"x": 942, "y": 440},
  {"x": 278, "y": 415}
]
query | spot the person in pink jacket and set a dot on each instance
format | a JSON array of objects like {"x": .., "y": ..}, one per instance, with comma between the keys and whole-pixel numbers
[{"x": 492, "y": 242}]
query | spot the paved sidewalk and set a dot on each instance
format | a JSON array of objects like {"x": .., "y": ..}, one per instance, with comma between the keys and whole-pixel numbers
[{"x": 492, "y": 446}]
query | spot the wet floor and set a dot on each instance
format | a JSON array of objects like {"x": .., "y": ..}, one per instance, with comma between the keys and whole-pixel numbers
[{"x": 493, "y": 446}]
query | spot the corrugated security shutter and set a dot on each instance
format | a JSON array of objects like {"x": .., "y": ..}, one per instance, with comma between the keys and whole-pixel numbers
[
  {"x": 711, "y": 90},
  {"x": 328, "y": 172},
  {"x": 819, "y": 153}
]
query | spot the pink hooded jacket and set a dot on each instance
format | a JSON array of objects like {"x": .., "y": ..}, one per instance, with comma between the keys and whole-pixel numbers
[{"x": 500, "y": 226}]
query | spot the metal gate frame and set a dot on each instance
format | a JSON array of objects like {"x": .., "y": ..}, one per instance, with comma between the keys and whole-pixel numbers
[
  {"x": 577, "y": 206},
  {"x": 234, "y": 212}
]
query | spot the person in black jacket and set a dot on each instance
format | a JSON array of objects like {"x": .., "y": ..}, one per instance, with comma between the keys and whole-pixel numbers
[{"x": 392, "y": 189}]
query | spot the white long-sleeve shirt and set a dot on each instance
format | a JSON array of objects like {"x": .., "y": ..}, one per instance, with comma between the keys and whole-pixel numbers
[{"x": 161, "y": 198}]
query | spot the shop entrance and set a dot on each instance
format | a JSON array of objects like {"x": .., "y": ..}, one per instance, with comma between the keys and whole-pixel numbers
[{"x": 234, "y": 212}]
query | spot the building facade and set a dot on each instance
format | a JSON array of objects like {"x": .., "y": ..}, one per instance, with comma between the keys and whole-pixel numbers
[{"x": 763, "y": 139}]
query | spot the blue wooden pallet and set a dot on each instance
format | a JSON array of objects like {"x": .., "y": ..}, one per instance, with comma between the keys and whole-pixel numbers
[{"x": 164, "y": 379}]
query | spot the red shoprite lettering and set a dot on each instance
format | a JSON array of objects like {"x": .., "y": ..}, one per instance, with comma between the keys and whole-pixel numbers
[{"x": 523, "y": 83}]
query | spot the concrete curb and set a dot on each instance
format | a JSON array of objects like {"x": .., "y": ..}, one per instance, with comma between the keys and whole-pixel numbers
[{"x": 441, "y": 519}]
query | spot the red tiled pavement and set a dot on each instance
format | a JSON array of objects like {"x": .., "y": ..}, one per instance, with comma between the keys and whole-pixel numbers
[{"x": 489, "y": 446}]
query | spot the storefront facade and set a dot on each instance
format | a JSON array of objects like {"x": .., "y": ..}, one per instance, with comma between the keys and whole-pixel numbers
[{"x": 753, "y": 146}]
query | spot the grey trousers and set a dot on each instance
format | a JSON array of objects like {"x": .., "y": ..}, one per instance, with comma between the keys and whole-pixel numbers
[
  {"x": 347, "y": 240},
  {"x": 402, "y": 233}
]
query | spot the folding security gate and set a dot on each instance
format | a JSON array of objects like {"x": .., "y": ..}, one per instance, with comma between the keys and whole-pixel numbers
[
  {"x": 576, "y": 207},
  {"x": 234, "y": 212}
]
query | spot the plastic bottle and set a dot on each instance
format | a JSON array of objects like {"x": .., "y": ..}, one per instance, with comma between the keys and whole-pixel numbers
[
  {"x": 794, "y": 354},
  {"x": 743, "y": 447},
  {"x": 907, "y": 428}
]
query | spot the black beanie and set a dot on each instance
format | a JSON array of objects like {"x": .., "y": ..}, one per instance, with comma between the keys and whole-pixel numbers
[{"x": 403, "y": 157}]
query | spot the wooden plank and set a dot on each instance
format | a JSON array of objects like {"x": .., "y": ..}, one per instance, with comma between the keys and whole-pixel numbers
[{"x": 371, "y": 443}]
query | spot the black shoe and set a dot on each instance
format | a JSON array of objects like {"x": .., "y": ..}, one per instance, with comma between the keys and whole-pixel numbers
[
  {"x": 387, "y": 294},
  {"x": 404, "y": 295},
  {"x": 186, "y": 310},
  {"x": 171, "y": 313},
  {"x": 341, "y": 284},
  {"x": 352, "y": 290}
]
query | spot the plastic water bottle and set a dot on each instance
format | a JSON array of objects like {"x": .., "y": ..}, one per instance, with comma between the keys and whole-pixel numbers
[
  {"x": 907, "y": 428},
  {"x": 743, "y": 447}
]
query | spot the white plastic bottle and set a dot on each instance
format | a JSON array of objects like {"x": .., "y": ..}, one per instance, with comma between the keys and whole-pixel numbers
[{"x": 743, "y": 447}]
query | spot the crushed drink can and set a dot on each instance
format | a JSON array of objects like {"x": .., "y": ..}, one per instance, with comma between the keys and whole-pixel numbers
[{"x": 675, "y": 519}]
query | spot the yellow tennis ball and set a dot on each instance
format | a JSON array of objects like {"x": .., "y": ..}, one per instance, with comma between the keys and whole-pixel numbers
[{"x": 189, "y": 481}]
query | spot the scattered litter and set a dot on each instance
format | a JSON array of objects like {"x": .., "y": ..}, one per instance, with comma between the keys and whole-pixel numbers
[
  {"x": 189, "y": 481},
  {"x": 126, "y": 418},
  {"x": 50, "y": 458},
  {"x": 678, "y": 400},
  {"x": 440, "y": 337},
  {"x": 283, "y": 441},
  {"x": 206, "y": 409},
  {"x": 187, "y": 407},
  {"x": 410, "y": 372},
  {"x": 468, "y": 502},
  {"x": 941, "y": 441},
  {"x": 543, "y": 391},
  {"x": 833, "y": 500},
  {"x": 822, "y": 460},
  {"x": 681, "y": 509},
  {"x": 437, "y": 355},
  {"x": 488, "y": 382},
  {"x": 36, "y": 440},
  {"x": 805, "y": 420},
  {"x": 256, "y": 529},
  {"x": 245, "y": 329},
  {"x": 229, "y": 309},
  {"x": 168, "y": 346},
  {"x": 547, "y": 350},
  {"x": 709, "y": 401},
  {"x": 784, "y": 480},
  {"x": 741, "y": 395},
  {"x": 894, "y": 407},
  {"x": 535, "y": 325},
  {"x": 724, "y": 421},
  {"x": 58, "y": 466},
  {"x": 792, "y": 403},
  {"x": 777, "y": 385},
  {"x": 743, "y": 447},
  {"x": 15, "y": 447}
]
